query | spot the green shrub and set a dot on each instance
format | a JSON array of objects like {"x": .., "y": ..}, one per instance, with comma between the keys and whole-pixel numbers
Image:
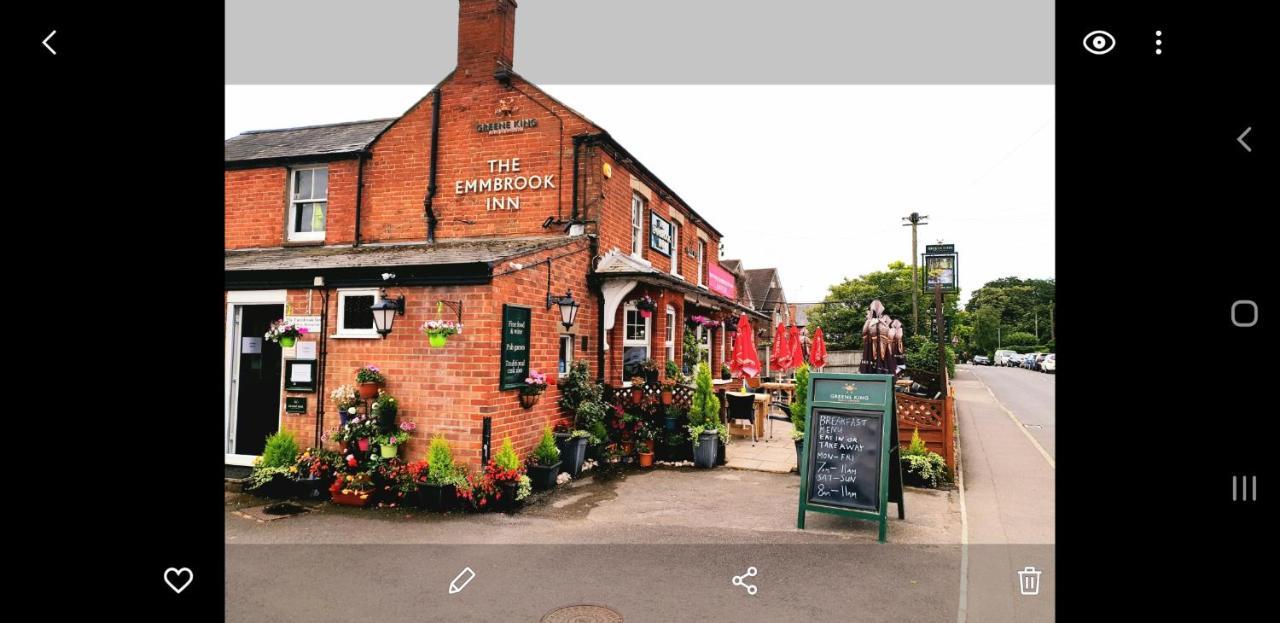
[
  {"x": 801, "y": 402},
  {"x": 929, "y": 469},
  {"x": 281, "y": 450},
  {"x": 577, "y": 388},
  {"x": 916, "y": 447},
  {"x": 506, "y": 458},
  {"x": 546, "y": 453},
  {"x": 704, "y": 412},
  {"x": 672, "y": 371},
  {"x": 923, "y": 355},
  {"x": 439, "y": 460}
]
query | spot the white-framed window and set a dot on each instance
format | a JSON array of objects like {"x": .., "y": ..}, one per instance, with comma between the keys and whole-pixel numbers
[
  {"x": 355, "y": 318},
  {"x": 702, "y": 260},
  {"x": 669, "y": 340},
  {"x": 308, "y": 203},
  {"x": 676, "y": 249},
  {"x": 565, "y": 359},
  {"x": 637, "y": 225},
  {"x": 635, "y": 341},
  {"x": 704, "y": 344}
]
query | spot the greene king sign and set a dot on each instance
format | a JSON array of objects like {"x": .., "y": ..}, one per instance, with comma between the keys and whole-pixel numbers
[{"x": 504, "y": 177}]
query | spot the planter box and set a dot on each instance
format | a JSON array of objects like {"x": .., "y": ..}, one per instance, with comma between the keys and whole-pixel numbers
[
  {"x": 572, "y": 453},
  {"x": 544, "y": 477},
  {"x": 704, "y": 454},
  {"x": 507, "y": 502},
  {"x": 354, "y": 499},
  {"x": 439, "y": 498},
  {"x": 312, "y": 488}
]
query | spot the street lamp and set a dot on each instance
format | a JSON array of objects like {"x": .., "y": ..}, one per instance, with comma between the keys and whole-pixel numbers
[
  {"x": 568, "y": 308},
  {"x": 385, "y": 312}
]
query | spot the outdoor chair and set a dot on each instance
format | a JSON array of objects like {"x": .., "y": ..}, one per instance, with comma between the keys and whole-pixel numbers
[
  {"x": 743, "y": 408},
  {"x": 779, "y": 404}
]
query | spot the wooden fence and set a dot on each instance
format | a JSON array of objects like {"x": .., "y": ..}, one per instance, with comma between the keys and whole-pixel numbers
[{"x": 935, "y": 419}]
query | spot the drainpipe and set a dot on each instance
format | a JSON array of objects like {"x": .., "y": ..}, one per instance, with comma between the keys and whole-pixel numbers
[
  {"x": 595, "y": 250},
  {"x": 431, "y": 179},
  {"x": 320, "y": 361},
  {"x": 359, "y": 192}
]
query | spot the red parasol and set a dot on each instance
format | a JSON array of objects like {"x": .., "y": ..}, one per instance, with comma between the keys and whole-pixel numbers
[
  {"x": 797, "y": 349},
  {"x": 780, "y": 357},
  {"x": 745, "y": 363},
  {"x": 818, "y": 354}
]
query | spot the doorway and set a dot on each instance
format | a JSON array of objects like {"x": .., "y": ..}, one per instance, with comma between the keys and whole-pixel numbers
[{"x": 253, "y": 382}]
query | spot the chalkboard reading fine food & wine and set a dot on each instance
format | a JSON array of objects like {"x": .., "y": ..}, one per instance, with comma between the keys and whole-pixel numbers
[
  {"x": 515, "y": 346},
  {"x": 845, "y": 460}
]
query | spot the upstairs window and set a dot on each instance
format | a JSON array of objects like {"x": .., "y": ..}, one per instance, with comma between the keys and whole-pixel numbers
[
  {"x": 637, "y": 225},
  {"x": 308, "y": 203},
  {"x": 676, "y": 249},
  {"x": 702, "y": 260}
]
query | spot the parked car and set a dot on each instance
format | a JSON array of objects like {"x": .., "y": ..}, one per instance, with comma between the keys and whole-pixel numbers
[
  {"x": 1049, "y": 365},
  {"x": 981, "y": 360},
  {"x": 1039, "y": 359},
  {"x": 1003, "y": 357},
  {"x": 1029, "y": 361}
]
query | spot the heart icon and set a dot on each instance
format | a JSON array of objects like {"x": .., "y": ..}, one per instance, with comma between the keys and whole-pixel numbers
[{"x": 178, "y": 579}]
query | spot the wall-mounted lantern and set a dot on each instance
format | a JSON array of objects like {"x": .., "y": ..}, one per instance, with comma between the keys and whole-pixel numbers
[{"x": 568, "y": 308}]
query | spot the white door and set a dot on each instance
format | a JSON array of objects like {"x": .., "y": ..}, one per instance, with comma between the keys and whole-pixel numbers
[{"x": 254, "y": 379}]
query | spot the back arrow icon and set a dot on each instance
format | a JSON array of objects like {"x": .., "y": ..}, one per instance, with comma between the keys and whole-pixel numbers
[
  {"x": 1240, "y": 139},
  {"x": 46, "y": 43}
]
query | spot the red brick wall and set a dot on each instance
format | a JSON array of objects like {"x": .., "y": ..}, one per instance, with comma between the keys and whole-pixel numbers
[{"x": 256, "y": 202}]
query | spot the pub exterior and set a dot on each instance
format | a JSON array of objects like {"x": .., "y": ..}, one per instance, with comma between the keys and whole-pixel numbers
[{"x": 488, "y": 203}]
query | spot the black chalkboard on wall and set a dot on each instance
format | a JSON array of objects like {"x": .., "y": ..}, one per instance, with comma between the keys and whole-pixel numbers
[
  {"x": 516, "y": 324},
  {"x": 845, "y": 462}
]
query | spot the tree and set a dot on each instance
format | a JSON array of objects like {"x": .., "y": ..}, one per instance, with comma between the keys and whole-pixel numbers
[
  {"x": 843, "y": 312},
  {"x": 1020, "y": 303}
]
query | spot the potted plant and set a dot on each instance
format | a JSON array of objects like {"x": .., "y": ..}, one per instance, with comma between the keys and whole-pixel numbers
[
  {"x": 646, "y": 457},
  {"x": 799, "y": 406},
  {"x": 389, "y": 443},
  {"x": 345, "y": 398},
  {"x": 362, "y": 431},
  {"x": 370, "y": 380},
  {"x": 705, "y": 427},
  {"x": 315, "y": 470},
  {"x": 646, "y": 432},
  {"x": 650, "y": 369},
  {"x": 382, "y": 413},
  {"x": 637, "y": 389},
  {"x": 439, "y": 479},
  {"x": 534, "y": 385},
  {"x": 646, "y": 305},
  {"x": 544, "y": 464},
  {"x": 582, "y": 398},
  {"x": 504, "y": 471},
  {"x": 393, "y": 483},
  {"x": 671, "y": 417},
  {"x": 284, "y": 333},
  {"x": 274, "y": 471},
  {"x": 339, "y": 436},
  {"x": 725, "y": 372},
  {"x": 354, "y": 489},
  {"x": 438, "y": 331}
]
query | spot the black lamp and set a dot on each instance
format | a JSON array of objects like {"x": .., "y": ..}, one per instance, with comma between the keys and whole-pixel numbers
[
  {"x": 568, "y": 308},
  {"x": 385, "y": 312}
]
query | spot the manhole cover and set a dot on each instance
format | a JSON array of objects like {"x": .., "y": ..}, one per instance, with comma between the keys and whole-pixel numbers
[
  {"x": 582, "y": 614},
  {"x": 283, "y": 508}
]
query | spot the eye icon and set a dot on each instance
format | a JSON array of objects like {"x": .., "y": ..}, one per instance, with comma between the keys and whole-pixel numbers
[{"x": 1099, "y": 42}]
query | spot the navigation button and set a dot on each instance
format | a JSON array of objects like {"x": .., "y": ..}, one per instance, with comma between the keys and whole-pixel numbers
[
  {"x": 46, "y": 43},
  {"x": 1238, "y": 319},
  {"x": 1240, "y": 139},
  {"x": 1244, "y": 488}
]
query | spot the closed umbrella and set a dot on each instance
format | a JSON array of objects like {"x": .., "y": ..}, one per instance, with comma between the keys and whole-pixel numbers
[
  {"x": 797, "y": 349},
  {"x": 780, "y": 358},
  {"x": 745, "y": 363},
  {"x": 818, "y": 354}
]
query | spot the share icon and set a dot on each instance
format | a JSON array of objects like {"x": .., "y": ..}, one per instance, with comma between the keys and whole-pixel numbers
[{"x": 737, "y": 580}]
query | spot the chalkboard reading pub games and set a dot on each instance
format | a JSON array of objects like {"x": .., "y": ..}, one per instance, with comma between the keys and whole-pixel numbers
[
  {"x": 845, "y": 461},
  {"x": 515, "y": 346},
  {"x": 850, "y": 464}
]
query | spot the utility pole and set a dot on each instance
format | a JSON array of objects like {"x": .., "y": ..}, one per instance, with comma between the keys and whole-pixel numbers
[
  {"x": 914, "y": 221},
  {"x": 1037, "y": 326},
  {"x": 997, "y": 335},
  {"x": 942, "y": 332},
  {"x": 1052, "y": 334}
]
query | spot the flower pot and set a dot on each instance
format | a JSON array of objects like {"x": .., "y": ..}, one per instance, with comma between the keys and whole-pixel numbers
[
  {"x": 544, "y": 476},
  {"x": 706, "y": 449},
  {"x": 436, "y": 497},
  {"x": 437, "y": 340},
  {"x": 651, "y": 376},
  {"x": 572, "y": 453},
  {"x": 343, "y": 417},
  {"x": 312, "y": 488},
  {"x": 507, "y": 499},
  {"x": 363, "y": 444},
  {"x": 670, "y": 422},
  {"x": 528, "y": 400},
  {"x": 666, "y": 399},
  {"x": 355, "y": 498},
  {"x": 799, "y": 454},
  {"x": 722, "y": 457},
  {"x": 389, "y": 451},
  {"x": 287, "y": 342},
  {"x": 628, "y": 447},
  {"x": 646, "y": 313},
  {"x": 369, "y": 391},
  {"x": 646, "y": 459}
]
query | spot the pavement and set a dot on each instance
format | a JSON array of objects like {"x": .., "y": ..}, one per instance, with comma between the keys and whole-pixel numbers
[
  {"x": 1008, "y": 475},
  {"x": 768, "y": 453}
]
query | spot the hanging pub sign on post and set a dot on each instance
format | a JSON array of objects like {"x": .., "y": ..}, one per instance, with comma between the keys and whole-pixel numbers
[
  {"x": 941, "y": 266},
  {"x": 850, "y": 465}
]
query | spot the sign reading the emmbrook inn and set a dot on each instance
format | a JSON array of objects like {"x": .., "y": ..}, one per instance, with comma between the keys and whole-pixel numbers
[
  {"x": 515, "y": 346},
  {"x": 850, "y": 465},
  {"x": 505, "y": 176}
]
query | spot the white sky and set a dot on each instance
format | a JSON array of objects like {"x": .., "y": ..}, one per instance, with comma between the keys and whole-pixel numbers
[{"x": 811, "y": 179}]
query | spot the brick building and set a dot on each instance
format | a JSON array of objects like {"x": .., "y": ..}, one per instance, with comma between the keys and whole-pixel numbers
[{"x": 487, "y": 195}]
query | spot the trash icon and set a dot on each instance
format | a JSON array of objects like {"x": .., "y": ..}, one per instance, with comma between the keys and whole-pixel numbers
[{"x": 1029, "y": 581}]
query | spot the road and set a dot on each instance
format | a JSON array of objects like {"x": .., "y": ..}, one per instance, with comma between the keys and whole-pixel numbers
[{"x": 1006, "y": 422}]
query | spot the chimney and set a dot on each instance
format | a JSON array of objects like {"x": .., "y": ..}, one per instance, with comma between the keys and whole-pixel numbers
[{"x": 486, "y": 36}]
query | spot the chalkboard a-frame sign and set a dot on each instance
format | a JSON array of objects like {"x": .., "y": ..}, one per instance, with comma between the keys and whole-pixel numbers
[
  {"x": 516, "y": 323},
  {"x": 851, "y": 465}
]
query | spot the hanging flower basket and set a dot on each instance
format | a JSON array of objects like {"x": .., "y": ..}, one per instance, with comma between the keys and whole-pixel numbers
[
  {"x": 438, "y": 331},
  {"x": 534, "y": 385},
  {"x": 528, "y": 400},
  {"x": 389, "y": 451},
  {"x": 285, "y": 334},
  {"x": 646, "y": 305}
]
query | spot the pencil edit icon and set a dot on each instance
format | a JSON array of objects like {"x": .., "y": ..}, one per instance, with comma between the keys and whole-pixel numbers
[{"x": 464, "y": 578}]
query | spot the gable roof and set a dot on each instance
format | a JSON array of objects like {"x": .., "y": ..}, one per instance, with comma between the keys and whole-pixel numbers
[
  {"x": 760, "y": 283},
  {"x": 303, "y": 142}
]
